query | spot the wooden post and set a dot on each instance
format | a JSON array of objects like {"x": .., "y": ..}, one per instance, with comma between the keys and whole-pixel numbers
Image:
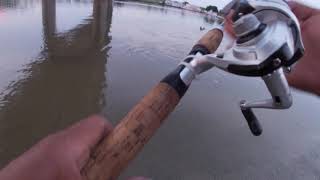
[{"x": 116, "y": 150}]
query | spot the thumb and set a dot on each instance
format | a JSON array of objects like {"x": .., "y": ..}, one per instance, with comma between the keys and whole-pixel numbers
[
  {"x": 302, "y": 12},
  {"x": 82, "y": 137}
]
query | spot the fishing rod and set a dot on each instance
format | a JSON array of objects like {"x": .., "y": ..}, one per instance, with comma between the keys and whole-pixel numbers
[{"x": 268, "y": 41}]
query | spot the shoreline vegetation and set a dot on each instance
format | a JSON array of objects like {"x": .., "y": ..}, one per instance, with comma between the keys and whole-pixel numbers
[
  {"x": 209, "y": 10},
  {"x": 156, "y": 2}
]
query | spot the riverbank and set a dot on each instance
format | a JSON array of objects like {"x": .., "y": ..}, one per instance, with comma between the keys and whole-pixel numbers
[
  {"x": 157, "y": 2},
  {"x": 173, "y": 4}
]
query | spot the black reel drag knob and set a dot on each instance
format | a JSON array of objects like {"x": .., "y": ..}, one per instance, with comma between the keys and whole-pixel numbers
[{"x": 253, "y": 123}]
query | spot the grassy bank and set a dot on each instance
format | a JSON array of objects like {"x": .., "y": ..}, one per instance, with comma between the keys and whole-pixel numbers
[{"x": 161, "y": 2}]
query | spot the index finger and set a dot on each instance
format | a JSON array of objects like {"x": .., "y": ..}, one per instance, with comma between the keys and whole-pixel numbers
[
  {"x": 228, "y": 23},
  {"x": 302, "y": 12}
]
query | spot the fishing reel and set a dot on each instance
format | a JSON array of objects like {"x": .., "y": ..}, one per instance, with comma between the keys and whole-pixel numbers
[{"x": 268, "y": 42}]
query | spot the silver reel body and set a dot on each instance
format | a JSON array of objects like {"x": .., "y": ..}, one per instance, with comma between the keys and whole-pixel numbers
[{"x": 268, "y": 41}]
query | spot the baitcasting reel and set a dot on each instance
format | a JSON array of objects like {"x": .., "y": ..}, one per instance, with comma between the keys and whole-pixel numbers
[{"x": 268, "y": 42}]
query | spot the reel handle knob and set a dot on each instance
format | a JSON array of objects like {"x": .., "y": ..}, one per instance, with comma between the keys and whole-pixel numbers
[{"x": 253, "y": 123}]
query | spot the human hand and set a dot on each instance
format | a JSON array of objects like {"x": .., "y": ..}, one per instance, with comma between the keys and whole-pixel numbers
[
  {"x": 60, "y": 156},
  {"x": 306, "y": 73},
  {"x": 228, "y": 24}
]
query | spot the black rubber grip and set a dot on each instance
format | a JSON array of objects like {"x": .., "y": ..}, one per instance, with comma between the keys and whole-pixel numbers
[
  {"x": 199, "y": 48},
  {"x": 173, "y": 79},
  {"x": 253, "y": 122}
]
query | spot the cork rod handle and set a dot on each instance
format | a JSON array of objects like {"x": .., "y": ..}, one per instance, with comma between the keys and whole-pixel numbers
[{"x": 116, "y": 150}]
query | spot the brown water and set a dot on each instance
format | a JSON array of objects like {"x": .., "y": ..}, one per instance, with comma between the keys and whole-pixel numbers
[{"x": 62, "y": 61}]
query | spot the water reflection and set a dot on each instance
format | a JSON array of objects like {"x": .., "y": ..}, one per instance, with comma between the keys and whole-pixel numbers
[
  {"x": 66, "y": 83},
  {"x": 20, "y": 4}
]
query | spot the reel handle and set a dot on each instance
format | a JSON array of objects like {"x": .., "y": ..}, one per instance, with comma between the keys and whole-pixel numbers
[{"x": 253, "y": 123}]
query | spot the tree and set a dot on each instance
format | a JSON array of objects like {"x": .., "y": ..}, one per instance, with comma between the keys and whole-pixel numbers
[
  {"x": 185, "y": 3},
  {"x": 212, "y": 8}
]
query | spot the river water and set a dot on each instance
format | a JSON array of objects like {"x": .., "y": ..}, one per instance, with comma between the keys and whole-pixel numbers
[{"x": 62, "y": 61}]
